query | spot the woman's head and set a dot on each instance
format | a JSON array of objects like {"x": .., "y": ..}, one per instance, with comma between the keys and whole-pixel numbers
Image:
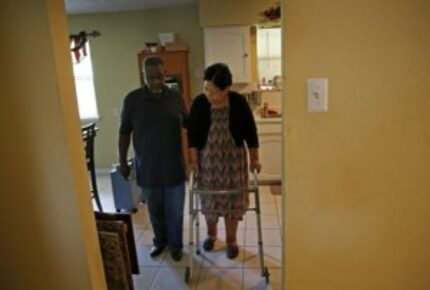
[
  {"x": 220, "y": 76},
  {"x": 218, "y": 80}
]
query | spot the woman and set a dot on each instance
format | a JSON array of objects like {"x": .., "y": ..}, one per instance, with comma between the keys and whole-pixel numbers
[{"x": 220, "y": 124}]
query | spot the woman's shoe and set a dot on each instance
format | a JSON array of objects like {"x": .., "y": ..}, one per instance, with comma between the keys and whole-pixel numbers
[
  {"x": 232, "y": 251},
  {"x": 208, "y": 244}
]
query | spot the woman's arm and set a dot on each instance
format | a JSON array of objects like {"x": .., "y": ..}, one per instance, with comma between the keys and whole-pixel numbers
[
  {"x": 194, "y": 160},
  {"x": 254, "y": 163}
]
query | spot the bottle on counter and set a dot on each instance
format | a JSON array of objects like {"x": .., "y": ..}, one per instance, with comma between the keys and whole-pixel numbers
[{"x": 264, "y": 110}]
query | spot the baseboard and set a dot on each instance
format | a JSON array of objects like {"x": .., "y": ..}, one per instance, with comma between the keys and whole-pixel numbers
[{"x": 102, "y": 171}]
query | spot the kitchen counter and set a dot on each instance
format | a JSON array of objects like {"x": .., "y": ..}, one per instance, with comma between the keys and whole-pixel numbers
[{"x": 260, "y": 120}]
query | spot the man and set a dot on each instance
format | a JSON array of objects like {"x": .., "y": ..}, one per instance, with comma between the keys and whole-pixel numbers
[{"x": 154, "y": 116}]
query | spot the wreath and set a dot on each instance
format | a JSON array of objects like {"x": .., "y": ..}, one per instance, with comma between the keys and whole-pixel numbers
[{"x": 272, "y": 14}]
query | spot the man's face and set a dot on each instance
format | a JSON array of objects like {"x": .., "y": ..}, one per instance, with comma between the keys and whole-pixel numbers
[{"x": 154, "y": 78}]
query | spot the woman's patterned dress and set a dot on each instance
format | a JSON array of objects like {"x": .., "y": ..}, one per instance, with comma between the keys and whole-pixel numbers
[{"x": 222, "y": 166}]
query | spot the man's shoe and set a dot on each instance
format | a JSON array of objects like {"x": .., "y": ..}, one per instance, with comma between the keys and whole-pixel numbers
[
  {"x": 156, "y": 251},
  {"x": 176, "y": 255}
]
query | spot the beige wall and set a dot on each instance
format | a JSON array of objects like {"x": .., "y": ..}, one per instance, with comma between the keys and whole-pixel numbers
[
  {"x": 114, "y": 56},
  {"x": 357, "y": 203},
  {"x": 227, "y": 12},
  {"x": 47, "y": 232}
]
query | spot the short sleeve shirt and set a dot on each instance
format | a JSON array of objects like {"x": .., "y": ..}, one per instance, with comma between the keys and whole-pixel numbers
[{"x": 155, "y": 122}]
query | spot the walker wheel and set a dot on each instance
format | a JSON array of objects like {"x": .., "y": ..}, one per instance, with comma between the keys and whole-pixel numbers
[
  {"x": 198, "y": 252},
  {"x": 266, "y": 274},
  {"x": 187, "y": 275}
]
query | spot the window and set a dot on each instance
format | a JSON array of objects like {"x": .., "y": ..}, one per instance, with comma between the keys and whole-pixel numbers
[
  {"x": 269, "y": 53},
  {"x": 84, "y": 83}
]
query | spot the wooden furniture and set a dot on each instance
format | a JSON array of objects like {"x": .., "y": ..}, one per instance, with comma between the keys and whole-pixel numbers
[
  {"x": 176, "y": 65},
  {"x": 130, "y": 237},
  {"x": 88, "y": 135},
  {"x": 118, "y": 249}
]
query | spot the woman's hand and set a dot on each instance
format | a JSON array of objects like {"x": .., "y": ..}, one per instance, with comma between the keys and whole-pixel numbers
[
  {"x": 255, "y": 165},
  {"x": 193, "y": 167}
]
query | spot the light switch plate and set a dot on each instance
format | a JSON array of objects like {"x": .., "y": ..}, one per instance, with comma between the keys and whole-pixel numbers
[{"x": 317, "y": 94}]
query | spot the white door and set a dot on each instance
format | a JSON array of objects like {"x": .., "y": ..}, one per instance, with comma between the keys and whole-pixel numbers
[{"x": 229, "y": 45}]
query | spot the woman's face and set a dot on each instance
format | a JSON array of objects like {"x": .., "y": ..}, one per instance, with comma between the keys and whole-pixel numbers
[{"x": 215, "y": 94}]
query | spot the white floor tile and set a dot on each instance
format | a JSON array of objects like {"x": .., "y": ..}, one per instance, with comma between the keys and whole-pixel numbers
[
  {"x": 144, "y": 280},
  {"x": 220, "y": 279},
  {"x": 185, "y": 261},
  {"x": 170, "y": 278},
  {"x": 217, "y": 258},
  {"x": 145, "y": 239},
  {"x": 268, "y": 209},
  {"x": 270, "y": 237},
  {"x": 272, "y": 257},
  {"x": 267, "y": 222},
  {"x": 145, "y": 259},
  {"x": 253, "y": 280}
]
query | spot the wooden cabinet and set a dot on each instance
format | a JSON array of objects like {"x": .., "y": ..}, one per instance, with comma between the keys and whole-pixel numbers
[
  {"x": 176, "y": 64},
  {"x": 230, "y": 45}
]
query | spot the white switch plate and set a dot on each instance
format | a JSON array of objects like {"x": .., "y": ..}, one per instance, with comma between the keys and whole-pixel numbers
[{"x": 317, "y": 95}]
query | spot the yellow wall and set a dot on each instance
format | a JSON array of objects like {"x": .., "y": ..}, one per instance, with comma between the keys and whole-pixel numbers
[
  {"x": 114, "y": 56},
  {"x": 47, "y": 231},
  {"x": 358, "y": 186},
  {"x": 227, "y": 12}
]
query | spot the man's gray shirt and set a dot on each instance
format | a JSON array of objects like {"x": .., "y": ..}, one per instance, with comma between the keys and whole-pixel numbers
[{"x": 155, "y": 122}]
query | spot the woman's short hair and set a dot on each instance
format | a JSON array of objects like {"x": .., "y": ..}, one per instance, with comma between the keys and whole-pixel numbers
[{"x": 219, "y": 74}]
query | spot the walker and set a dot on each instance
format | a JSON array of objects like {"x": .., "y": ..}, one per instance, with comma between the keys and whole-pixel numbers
[{"x": 194, "y": 209}]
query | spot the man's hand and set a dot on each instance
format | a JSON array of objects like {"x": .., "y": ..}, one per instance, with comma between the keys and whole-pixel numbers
[{"x": 124, "y": 169}]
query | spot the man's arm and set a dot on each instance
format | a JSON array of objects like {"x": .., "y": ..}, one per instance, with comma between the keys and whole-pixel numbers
[
  {"x": 123, "y": 145},
  {"x": 185, "y": 151}
]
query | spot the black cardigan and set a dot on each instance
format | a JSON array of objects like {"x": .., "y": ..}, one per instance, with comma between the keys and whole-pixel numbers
[{"x": 242, "y": 124}]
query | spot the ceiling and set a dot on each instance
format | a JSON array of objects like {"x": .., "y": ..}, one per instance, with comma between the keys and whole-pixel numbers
[{"x": 95, "y": 6}]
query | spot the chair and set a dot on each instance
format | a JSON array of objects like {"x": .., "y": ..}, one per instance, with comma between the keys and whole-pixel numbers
[{"x": 88, "y": 135}]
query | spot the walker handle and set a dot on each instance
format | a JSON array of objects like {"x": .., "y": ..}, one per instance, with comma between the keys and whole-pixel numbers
[
  {"x": 191, "y": 179},
  {"x": 255, "y": 174}
]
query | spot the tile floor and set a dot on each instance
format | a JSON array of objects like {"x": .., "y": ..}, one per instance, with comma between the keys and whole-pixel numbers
[{"x": 211, "y": 270}]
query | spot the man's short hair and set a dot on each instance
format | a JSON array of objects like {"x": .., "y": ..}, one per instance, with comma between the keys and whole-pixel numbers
[{"x": 152, "y": 61}]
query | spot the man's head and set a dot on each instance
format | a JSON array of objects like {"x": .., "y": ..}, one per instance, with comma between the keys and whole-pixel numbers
[{"x": 154, "y": 73}]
